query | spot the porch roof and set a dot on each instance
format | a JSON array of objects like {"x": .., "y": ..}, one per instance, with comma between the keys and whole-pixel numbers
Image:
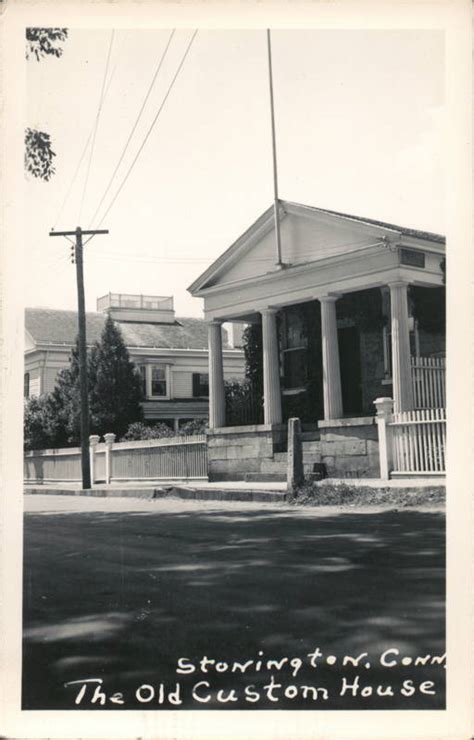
[
  {"x": 322, "y": 252},
  {"x": 323, "y": 233}
]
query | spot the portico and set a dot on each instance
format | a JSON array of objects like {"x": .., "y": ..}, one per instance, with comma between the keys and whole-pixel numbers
[{"x": 327, "y": 257}]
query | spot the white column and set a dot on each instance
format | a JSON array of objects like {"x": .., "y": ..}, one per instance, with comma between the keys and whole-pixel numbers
[
  {"x": 331, "y": 368},
  {"x": 401, "y": 368},
  {"x": 271, "y": 368},
  {"x": 109, "y": 443},
  {"x": 94, "y": 440},
  {"x": 216, "y": 377}
]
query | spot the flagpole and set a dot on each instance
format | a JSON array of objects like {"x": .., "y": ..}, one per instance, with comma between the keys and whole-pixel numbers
[{"x": 275, "y": 172}]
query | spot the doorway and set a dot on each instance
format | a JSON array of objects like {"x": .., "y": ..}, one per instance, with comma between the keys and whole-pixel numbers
[{"x": 351, "y": 377}]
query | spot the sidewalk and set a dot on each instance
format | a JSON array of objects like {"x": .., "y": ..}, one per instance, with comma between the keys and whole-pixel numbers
[{"x": 218, "y": 490}]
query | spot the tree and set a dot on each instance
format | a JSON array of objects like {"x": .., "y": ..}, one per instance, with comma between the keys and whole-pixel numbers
[
  {"x": 53, "y": 420},
  {"x": 66, "y": 402},
  {"x": 39, "y": 155},
  {"x": 40, "y": 423},
  {"x": 114, "y": 384},
  {"x": 43, "y": 42}
]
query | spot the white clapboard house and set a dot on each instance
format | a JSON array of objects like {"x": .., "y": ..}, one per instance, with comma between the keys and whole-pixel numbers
[{"x": 170, "y": 352}]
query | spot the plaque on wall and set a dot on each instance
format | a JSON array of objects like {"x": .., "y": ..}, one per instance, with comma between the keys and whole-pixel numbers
[{"x": 412, "y": 257}]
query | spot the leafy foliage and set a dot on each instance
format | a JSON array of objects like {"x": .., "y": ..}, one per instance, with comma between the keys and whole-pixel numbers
[
  {"x": 53, "y": 420},
  {"x": 43, "y": 42},
  {"x": 252, "y": 346},
  {"x": 196, "y": 426},
  {"x": 139, "y": 431},
  {"x": 39, "y": 154},
  {"x": 114, "y": 385},
  {"x": 242, "y": 404},
  {"x": 40, "y": 423}
]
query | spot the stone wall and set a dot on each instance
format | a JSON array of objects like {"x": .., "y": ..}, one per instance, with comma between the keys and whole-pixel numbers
[
  {"x": 372, "y": 368},
  {"x": 350, "y": 448},
  {"x": 235, "y": 451}
]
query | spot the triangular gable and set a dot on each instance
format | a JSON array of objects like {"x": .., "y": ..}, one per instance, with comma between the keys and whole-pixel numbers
[
  {"x": 30, "y": 343},
  {"x": 307, "y": 235}
]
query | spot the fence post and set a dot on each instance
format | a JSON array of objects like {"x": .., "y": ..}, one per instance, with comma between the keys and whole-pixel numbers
[
  {"x": 295, "y": 470},
  {"x": 94, "y": 440},
  {"x": 109, "y": 443},
  {"x": 384, "y": 408}
]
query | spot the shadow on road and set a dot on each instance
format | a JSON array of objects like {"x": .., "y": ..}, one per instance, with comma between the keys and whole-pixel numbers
[{"x": 121, "y": 596}]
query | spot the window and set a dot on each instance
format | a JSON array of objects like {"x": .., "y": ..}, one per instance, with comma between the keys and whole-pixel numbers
[
  {"x": 200, "y": 385},
  {"x": 294, "y": 350},
  {"x": 158, "y": 380},
  {"x": 26, "y": 385}
]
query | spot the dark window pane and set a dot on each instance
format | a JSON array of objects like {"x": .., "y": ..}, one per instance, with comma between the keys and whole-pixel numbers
[
  {"x": 158, "y": 381},
  {"x": 200, "y": 384},
  {"x": 294, "y": 366}
]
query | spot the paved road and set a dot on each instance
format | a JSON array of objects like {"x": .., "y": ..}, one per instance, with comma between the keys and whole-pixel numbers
[{"x": 119, "y": 590}]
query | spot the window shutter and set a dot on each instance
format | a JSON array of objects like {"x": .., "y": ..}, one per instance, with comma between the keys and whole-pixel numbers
[{"x": 196, "y": 384}]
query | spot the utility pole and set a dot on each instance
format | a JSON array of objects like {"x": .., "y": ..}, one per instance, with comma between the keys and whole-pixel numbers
[
  {"x": 81, "y": 320},
  {"x": 276, "y": 202}
]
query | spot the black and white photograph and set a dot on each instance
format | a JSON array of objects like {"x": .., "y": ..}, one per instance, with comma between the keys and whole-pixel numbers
[{"x": 234, "y": 351}]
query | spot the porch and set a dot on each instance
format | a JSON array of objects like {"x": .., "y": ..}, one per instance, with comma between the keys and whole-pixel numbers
[{"x": 356, "y": 283}]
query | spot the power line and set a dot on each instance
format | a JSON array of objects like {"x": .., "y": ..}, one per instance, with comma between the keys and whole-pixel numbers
[
  {"x": 96, "y": 125},
  {"x": 137, "y": 120},
  {"x": 127, "y": 175},
  {"x": 86, "y": 145}
]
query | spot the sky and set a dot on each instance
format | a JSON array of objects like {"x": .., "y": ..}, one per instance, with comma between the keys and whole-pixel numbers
[{"x": 359, "y": 125}]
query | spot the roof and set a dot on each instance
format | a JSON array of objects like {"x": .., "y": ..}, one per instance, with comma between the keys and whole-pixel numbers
[
  {"x": 54, "y": 326},
  {"x": 265, "y": 222},
  {"x": 428, "y": 235}
]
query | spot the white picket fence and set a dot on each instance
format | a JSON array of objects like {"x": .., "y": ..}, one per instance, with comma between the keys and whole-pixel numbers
[
  {"x": 419, "y": 441},
  {"x": 429, "y": 382},
  {"x": 171, "y": 458}
]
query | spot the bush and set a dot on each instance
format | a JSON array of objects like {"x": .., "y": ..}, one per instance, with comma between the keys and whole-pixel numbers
[
  {"x": 139, "y": 431},
  {"x": 196, "y": 426},
  {"x": 345, "y": 494},
  {"x": 40, "y": 423}
]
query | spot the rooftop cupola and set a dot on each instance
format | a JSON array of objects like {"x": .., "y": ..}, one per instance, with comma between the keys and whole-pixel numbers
[{"x": 147, "y": 309}]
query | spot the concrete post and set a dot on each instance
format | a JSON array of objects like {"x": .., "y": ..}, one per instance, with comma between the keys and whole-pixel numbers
[
  {"x": 216, "y": 377},
  {"x": 331, "y": 368},
  {"x": 401, "y": 367},
  {"x": 271, "y": 368},
  {"x": 94, "y": 440},
  {"x": 295, "y": 469},
  {"x": 384, "y": 408},
  {"x": 109, "y": 443}
]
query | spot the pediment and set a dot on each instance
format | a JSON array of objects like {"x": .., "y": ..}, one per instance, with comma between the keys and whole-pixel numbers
[{"x": 307, "y": 235}]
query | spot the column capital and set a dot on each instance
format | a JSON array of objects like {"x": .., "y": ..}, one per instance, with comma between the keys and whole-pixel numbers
[
  {"x": 329, "y": 298},
  {"x": 268, "y": 311},
  {"x": 109, "y": 438},
  {"x": 94, "y": 440},
  {"x": 398, "y": 284},
  {"x": 214, "y": 322}
]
